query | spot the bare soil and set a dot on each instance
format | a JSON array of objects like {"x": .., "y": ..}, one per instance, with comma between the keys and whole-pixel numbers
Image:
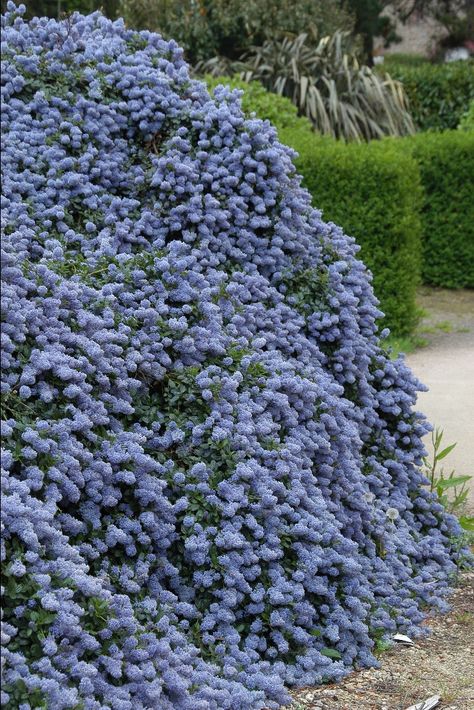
[{"x": 441, "y": 664}]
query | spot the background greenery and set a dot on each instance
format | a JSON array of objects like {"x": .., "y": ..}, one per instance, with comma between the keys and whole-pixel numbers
[
  {"x": 438, "y": 94},
  {"x": 446, "y": 162},
  {"x": 230, "y": 27}
]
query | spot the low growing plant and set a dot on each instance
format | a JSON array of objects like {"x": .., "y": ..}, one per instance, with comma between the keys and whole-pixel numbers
[{"x": 452, "y": 489}]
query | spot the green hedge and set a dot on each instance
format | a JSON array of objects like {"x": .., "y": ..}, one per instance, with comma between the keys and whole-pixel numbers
[
  {"x": 439, "y": 94},
  {"x": 467, "y": 119},
  {"x": 374, "y": 193},
  {"x": 446, "y": 162},
  {"x": 403, "y": 59}
]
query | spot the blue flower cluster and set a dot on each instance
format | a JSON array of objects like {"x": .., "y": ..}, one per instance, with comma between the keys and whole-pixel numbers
[{"x": 211, "y": 468}]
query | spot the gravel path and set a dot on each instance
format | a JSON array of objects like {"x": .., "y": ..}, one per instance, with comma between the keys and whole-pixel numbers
[{"x": 446, "y": 366}]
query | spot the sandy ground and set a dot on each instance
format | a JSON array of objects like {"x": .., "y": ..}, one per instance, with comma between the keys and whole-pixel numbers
[{"x": 446, "y": 366}]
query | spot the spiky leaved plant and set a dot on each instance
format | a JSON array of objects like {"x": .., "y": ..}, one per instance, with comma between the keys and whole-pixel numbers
[{"x": 341, "y": 96}]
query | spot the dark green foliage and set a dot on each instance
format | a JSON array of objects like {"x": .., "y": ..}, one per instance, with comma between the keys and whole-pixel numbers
[
  {"x": 228, "y": 28},
  {"x": 446, "y": 162},
  {"x": 467, "y": 119},
  {"x": 370, "y": 22},
  {"x": 439, "y": 94},
  {"x": 374, "y": 193}
]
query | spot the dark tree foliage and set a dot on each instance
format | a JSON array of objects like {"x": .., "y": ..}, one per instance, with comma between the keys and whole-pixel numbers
[
  {"x": 228, "y": 28},
  {"x": 370, "y": 22}
]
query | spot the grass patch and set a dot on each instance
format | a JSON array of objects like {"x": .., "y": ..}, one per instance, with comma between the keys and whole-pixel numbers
[
  {"x": 405, "y": 345},
  {"x": 445, "y": 326}
]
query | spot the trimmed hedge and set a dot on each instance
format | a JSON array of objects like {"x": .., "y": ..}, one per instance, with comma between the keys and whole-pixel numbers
[
  {"x": 467, "y": 120},
  {"x": 439, "y": 94},
  {"x": 446, "y": 163},
  {"x": 374, "y": 192}
]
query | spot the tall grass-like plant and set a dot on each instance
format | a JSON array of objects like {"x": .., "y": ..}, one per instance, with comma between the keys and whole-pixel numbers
[
  {"x": 452, "y": 489},
  {"x": 325, "y": 80}
]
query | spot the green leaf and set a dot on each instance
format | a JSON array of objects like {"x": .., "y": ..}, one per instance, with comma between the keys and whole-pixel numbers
[
  {"x": 460, "y": 499},
  {"x": 442, "y": 454},
  {"x": 444, "y": 483},
  {"x": 330, "y": 653},
  {"x": 467, "y": 523}
]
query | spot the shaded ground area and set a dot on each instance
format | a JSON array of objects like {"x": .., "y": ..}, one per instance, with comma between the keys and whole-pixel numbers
[
  {"x": 441, "y": 664},
  {"x": 446, "y": 366}
]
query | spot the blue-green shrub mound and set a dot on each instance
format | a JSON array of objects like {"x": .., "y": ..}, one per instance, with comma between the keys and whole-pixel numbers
[{"x": 210, "y": 475}]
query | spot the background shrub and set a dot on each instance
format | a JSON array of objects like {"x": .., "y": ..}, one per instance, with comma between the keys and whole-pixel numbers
[
  {"x": 446, "y": 163},
  {"x": 374, "y": 192},
  {"x": 230, "y": 27},
  {"x": 467, "y": 119},
  {"x": 439, "y": 94}
]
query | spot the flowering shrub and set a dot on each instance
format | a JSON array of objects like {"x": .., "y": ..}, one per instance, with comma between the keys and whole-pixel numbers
[{"x": 211, "y": 482}]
